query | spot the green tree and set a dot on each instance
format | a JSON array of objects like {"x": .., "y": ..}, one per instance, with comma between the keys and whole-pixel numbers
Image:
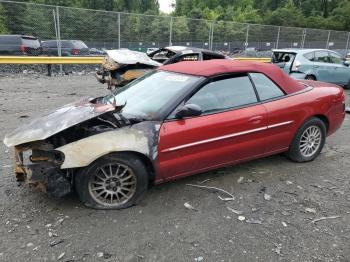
[
  {"x": 289, "y": 15},
  {"x": 3, "y": 29}
]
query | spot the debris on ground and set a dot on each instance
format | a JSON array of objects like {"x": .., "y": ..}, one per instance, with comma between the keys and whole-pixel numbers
[
  {"x": 324, "y": 218},
  {"x": 52, "y": 234},
  {"x": 61, "y": 256},
  {"x": 237, "y": 212},
  {"x": 231, "y": 197},
  {"x": 241, "y": 218},
  {"x": 254, "y": 221},
  {"x": 189, "y": 206},
  {"x": 198, "y": 259},
  {"x": 277, "y": 249},
  {"x": 140, "y": 256},
  {"x": 267, "y": 197},
  {"x": 204, "y": 181},
  {"x": 240, "y": 180},
  {"x": 284, "y": 224},
  {"x": 310, "y": 210},
  {"x": 56, "y": 242},
  {"x": 105, "y": 255}
]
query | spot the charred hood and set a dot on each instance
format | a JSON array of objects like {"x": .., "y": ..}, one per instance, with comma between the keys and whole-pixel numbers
[{"x": 56, "y": 121}]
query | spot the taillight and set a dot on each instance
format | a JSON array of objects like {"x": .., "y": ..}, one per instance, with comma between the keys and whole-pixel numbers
[
  {"x": 75, "y": 51},
  {"x": 296, "y": 66},
  {"x": 24, "y": 49}
]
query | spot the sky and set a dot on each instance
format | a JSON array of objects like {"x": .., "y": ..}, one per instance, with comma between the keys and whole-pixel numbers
[{"x": 164, "y": 5}]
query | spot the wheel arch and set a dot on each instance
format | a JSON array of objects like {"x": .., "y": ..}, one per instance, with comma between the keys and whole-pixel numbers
[
  {"x": 324, "y": 120},
  {"x": 149, "y": 164},
  {"x": 311, "y": 74}
]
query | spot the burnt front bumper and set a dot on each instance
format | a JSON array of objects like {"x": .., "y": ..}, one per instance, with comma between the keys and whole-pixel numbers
[{"x": 41, "y": 173}]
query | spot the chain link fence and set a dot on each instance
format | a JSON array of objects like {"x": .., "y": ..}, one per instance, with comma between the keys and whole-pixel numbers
[{"x": 110, "y": 30}]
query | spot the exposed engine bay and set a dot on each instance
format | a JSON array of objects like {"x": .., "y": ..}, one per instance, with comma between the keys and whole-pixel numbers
[{"x": 40, "y": 155}]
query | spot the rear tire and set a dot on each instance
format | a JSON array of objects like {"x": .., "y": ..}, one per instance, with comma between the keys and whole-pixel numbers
[
  {"x": 308, "y": 141},
  {"x": 115, "y": 181},
  {"x": 310, "y": 77}
]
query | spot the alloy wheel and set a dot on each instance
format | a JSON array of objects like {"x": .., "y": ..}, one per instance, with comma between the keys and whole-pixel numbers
[
  {"x": 310, "y": 141},
  {"x": 112, "y": 184}
]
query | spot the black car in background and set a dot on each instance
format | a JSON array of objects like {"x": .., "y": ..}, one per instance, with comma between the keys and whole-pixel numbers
[
  {"x": 19, "y": 45},
  {"x": 68, "y": 47}
]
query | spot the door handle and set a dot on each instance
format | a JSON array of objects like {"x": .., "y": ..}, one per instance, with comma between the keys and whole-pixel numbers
[{"x": 255, "y": 119}]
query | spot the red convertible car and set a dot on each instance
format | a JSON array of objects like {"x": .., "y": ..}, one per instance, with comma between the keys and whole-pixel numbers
[{"x": 178, "y": 120}]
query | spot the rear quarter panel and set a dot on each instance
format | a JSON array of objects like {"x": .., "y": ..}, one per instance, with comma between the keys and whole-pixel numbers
[{"x": 322, "y": 99}]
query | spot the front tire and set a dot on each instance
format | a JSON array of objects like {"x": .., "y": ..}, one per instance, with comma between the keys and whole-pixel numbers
[
  {"x": 115, "y": 181},
  {"x": 308, "y": 141}
]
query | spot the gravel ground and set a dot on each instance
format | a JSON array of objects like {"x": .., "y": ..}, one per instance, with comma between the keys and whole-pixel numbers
[{"x": 279, "y": 199}]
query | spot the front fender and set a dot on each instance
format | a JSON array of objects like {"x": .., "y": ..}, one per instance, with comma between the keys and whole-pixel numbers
[{"x": 141, "y": 138}]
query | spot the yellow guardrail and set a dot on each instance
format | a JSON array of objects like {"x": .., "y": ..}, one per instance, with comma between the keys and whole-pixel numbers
[
  {"x": 253, "y": 59},
  {"x": 49, "y": 60}
]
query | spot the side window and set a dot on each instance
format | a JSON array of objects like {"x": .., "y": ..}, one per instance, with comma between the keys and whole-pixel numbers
[
  {"x": 321, "y": 56},
  {"x": 265, "y": 87},
  {"x": 310, "y": 56},
  {"x": 224, "y": 94},
  {"x": 335, "y": 58}
]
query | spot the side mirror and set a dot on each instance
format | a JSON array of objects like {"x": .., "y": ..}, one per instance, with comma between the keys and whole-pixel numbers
[
  {"x": 346, "y": 63},
  {"x": 188, "y": 110}
]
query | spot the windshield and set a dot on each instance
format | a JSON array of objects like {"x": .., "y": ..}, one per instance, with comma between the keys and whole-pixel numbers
[{"x": 148, "y": 96}]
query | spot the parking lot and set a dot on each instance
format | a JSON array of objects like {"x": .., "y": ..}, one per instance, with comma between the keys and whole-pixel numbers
[{"x": 281, "y": 202}]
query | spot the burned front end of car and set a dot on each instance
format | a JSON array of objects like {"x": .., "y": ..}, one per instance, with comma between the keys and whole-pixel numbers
[
  {"x": 50, "y": 150},
  {"x": 38, "y": 165},
  {"x": 37, "y": 161}
]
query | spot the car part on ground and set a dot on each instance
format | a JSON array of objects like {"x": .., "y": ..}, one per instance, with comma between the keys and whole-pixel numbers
[
  {"x": 313, "y": 64},
  {"x": 122, "y": 66},
  {"x": 20, "y": 45},
  {"x": 151, "y": 131}
]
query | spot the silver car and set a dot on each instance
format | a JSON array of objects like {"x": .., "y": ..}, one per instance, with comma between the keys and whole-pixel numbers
[{"x": 314, "y": 64}]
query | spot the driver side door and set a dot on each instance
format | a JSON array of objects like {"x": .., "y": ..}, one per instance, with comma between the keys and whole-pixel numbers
[{"x": 230, "y": 129}]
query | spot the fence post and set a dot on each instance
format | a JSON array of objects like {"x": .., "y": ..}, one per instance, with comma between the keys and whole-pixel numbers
[
  {"x": 171, "y": 31},
  {"x": 209, "y": 37},
  {"x": 59, "y": 49},
  {"x": 118, "y": 30},
  {"x": 246, "y": 38},
  {"x": 329, "y": 35},
  {"x": 303, "y": 38},
  {"x": 212, "y": 34},
  {"x": 347, "y": 43},
  {"x": 278, "y": 37}
]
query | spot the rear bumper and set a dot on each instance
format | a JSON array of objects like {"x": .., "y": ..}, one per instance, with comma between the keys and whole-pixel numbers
[{"x": 42, "y": 175}]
